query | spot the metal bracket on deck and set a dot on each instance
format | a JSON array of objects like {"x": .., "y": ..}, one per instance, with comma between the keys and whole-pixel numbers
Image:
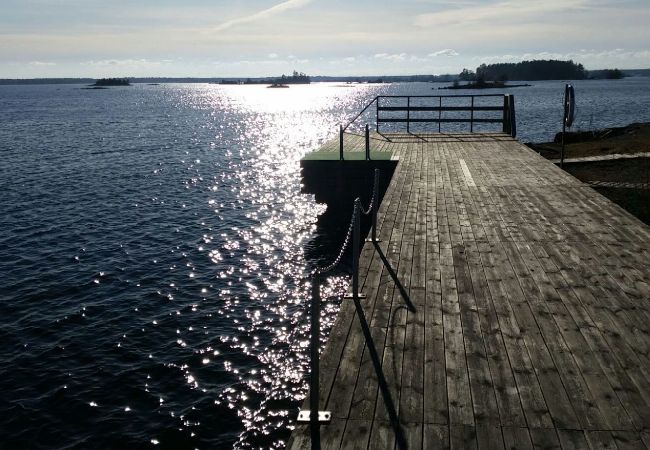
[
  {"x": 323, "y": 417},
  {"x": 359, "y": 295}
]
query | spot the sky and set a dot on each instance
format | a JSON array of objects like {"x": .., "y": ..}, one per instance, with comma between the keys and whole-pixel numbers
[{"x": 251, "y": 38}]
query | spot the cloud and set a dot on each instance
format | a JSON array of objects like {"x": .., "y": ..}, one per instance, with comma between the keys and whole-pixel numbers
[
  {"x": 272, "y": 55},
  {"x": 391, "y": 56},
  {"x": 126, "y": 63},
  {"x": 498, "y": 12},
  {"x": 41, "y": 63},
  {"x": 398, "y": 57},
  {"x": 264, "y": 14},
  {"x": 444, "y": 52}
]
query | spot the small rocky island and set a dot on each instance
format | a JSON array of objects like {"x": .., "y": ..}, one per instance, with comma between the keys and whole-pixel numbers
[{"x": 106, "y": 82}]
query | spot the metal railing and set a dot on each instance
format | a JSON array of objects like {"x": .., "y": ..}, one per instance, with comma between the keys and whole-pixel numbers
[
  {"x": 421, "y": 109},
  {"x": 314, "y": 416}
]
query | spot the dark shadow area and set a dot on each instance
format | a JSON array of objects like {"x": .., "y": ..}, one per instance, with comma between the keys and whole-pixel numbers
[
  {"x": 634, "y": 201},
  {"x": 407, "y": 137},
  {"x": 393, "y": 275},
  {"x": 337, "y": 184},
  {"x": 623, "y": 181},
  {"x": 383, "y": 385}
]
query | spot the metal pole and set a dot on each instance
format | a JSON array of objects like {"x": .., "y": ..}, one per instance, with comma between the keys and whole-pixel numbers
[
  {"x": 313, "y": 416},
  {"x": 314, "y": 424},
  {"x": 564, "y": 117},
  {"x": 471, "y": 120},
  {"x": 512, "y": 115},
  {"x": 375, "y": 206},
  {"x": 367, "y": 143},
  {"x": 341, "y": 142},
  {"x": 356, "y": 247},
  {"x": 377, "y": 115},
  {"x": 506, "y": 117},
  {"x": 439, "y": 113},
  {"x": 408, "y": 114},
  {"x": 562, "y": 153}
]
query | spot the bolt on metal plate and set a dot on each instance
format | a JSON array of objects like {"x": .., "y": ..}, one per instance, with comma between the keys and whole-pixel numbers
[{"x": 323, "y": 417}]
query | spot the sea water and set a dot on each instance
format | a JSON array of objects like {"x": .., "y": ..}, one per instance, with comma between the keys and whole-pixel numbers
[{"x": 156, "y": 249}]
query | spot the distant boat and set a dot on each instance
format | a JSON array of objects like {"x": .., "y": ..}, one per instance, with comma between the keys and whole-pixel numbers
[{"x": 277, "y": 85}]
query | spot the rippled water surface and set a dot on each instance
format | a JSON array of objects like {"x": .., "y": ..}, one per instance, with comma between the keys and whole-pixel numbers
[{"x": 155, "y": 253}]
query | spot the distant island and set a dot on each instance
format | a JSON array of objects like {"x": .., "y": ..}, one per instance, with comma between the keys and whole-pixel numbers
[
  {"x": 105, "y": 82},
  {"x": 532, "y": 71},
  {"x": 482, "y": 84},
  {"x": 466, "y": 75},
  {"x": 607, "y": 74},
  {"x": 490, "y": 76},
  {"x": 283, "y": 81},
  {"x": 296, "y": 78}
]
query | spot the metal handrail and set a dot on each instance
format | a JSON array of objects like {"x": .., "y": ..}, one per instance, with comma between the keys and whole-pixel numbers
[
  {"x": 359, "y": 115},
  {"x": 507, "y": 120}
]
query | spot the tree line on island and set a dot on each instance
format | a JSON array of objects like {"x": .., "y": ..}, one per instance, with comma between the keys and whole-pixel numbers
[
  {"x": 485, "y": 73},
  {"x": 497, "y": 75},
  {"x": 295, "y": 78}
]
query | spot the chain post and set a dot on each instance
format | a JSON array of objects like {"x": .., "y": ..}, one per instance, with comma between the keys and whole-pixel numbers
[
  {"x": 314, "y": 377},
  {"x": 375, "y": 208},
  {"x": 356, "y": 250},
  {"x": 314, "y": 417}
]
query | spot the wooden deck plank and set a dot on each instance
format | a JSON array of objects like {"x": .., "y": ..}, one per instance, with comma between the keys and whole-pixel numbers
[
  {"x": 531, "y": 324},
  {"x": 435, "y": 384},
  {"x": 516, "y": 438},
  {"x": 483, "y": 398},
  {"x": 507, "y": 397},
  {"x": 573, "y": 440},
  {"x": 458, "y": 388}
]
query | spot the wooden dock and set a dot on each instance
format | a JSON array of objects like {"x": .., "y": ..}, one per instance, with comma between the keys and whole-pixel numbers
[{"x": 531, "y": 319}]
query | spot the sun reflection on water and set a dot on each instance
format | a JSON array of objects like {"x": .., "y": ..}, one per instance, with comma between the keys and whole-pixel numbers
[{"x": 260, "y": 224}]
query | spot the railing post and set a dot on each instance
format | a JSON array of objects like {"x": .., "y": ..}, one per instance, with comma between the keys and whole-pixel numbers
[
  {"x": 408, "y": 114},
  {"x": 471, "y": 120},
  {"x": 377, "y": 115},
  {"x": 356, "y": 250},
  {"x": 367, "y": 143},
  {"x": 340, "y": 142},
  {"x": 506, "y": 116},
  {"x": 512, "y": 116},
  {"x": 375, "y": 208},
  {"x": 564, "y": 116},
  {"x": 439, "y": 114}
]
